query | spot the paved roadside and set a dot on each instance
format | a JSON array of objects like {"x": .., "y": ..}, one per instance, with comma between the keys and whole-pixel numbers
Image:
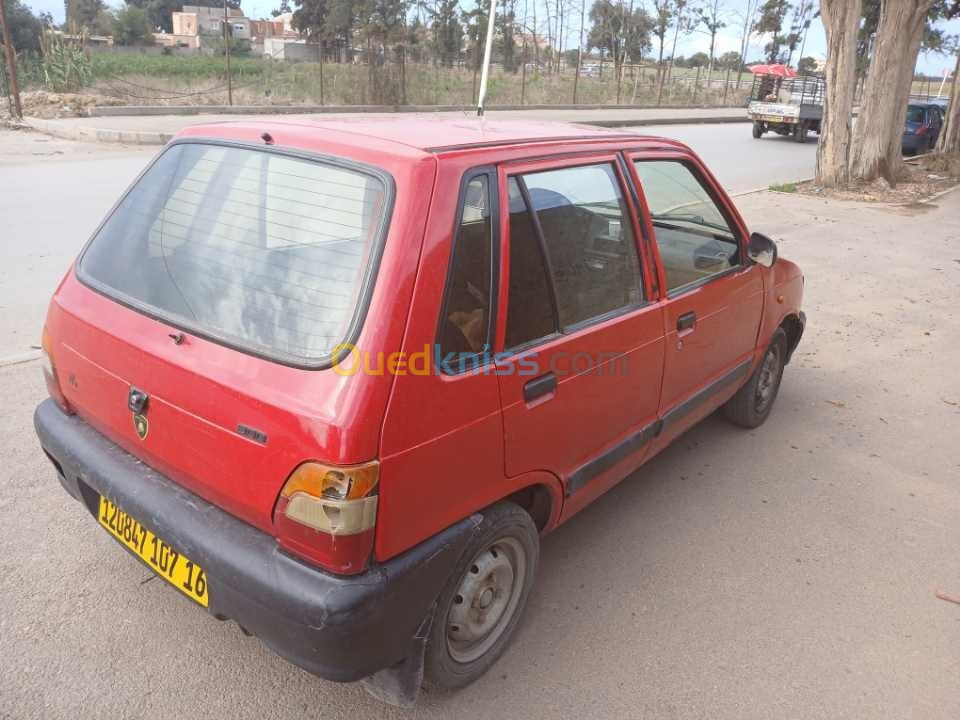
[
  {"x": 158, "y": 129},
  {"x": 784, "y": 572}
]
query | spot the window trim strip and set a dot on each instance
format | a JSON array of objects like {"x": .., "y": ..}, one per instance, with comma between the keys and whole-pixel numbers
[
  {"x": 493, "y": 197},
  {"x": 542, "y": 242}
]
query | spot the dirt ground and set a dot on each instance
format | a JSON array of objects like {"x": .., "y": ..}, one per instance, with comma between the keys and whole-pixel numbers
[
  {"x": 923, "y": 177},
  {"x": 784, "y": 572}
]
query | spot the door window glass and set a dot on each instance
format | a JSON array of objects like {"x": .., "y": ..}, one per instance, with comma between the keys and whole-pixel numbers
[
  {"x": 530, "y": 313},
  {"x": 693, "y": 236},
  {"x": 589, "y": 240}
]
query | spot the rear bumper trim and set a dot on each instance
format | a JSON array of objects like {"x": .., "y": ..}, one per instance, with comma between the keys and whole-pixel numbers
[{"x": 340, "y": 628}]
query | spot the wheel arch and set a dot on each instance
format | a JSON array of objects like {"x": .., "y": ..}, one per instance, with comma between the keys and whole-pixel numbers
[
  {"x": 792, "y": 326},
  {"x": 540, "y": 493}
]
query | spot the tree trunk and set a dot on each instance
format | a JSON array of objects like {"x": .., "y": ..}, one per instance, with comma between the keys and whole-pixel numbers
[
  {"x": 949, "y": 140},
  {"x": 673, "y": 51},
  {"x": 841, "y": 20},
  {"x": 661, "y": 75},
  {"x": 879, "y": 128}
]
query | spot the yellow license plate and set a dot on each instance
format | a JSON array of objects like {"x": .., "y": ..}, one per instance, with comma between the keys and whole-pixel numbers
[
  {"x": 174, "y": 567},
  {"x": 773, "y": 118}
]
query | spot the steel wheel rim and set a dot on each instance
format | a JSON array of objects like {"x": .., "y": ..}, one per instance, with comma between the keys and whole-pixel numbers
[
  {"x": 767, "y": 382},
  {"x": 486, "y": 599}
]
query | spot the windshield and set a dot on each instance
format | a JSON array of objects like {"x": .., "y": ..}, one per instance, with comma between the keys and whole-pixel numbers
[{"x": 259, "y": 249}]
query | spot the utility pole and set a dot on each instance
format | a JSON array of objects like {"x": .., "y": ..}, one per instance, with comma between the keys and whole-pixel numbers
[
  {"x": 11, "y": 59},
  {"x": 576, "y": 78},
  {"x": 226, "y": 49}
]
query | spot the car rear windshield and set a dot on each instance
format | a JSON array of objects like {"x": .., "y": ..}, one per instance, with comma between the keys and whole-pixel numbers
[{"x": 266, "y": 251}]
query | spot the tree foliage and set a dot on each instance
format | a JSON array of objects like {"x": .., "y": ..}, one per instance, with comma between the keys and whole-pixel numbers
[
  {"x": 619, "y": 31},
  {"x": 772, "y": 15},
  {"x": 131, "y": 26},
  {"x": 25, "y": 27}
]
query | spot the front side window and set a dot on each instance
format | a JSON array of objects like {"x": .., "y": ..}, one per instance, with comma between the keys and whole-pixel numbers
[
  {"x": 464, "y": 328},
  {"x": 262, "y": 250},
  {"x": 693, "y": 236},
  {"x": 590, "y": 244}
]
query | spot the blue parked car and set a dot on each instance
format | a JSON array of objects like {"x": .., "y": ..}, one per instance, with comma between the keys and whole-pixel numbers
[{"x": 922, "y": 127}]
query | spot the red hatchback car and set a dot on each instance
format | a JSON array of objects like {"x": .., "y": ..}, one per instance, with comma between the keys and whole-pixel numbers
[{"x": 334, "y": 380}]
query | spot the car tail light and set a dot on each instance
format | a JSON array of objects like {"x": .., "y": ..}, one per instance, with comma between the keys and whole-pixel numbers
[
  {"x": 326, "y": 514},
  {"x": 50, "y": 373}
]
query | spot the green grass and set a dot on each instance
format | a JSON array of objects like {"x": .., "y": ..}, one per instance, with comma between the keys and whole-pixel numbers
[
  {"x": 784, "y": 187},
  {"x": 201, "y": 80}
]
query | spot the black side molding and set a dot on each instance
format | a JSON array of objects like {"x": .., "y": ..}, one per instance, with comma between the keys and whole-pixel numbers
[
  {"x": 600, "y": 464},
  {"x": 688, "y": 406},
  {"x": 626, "y": 447}
]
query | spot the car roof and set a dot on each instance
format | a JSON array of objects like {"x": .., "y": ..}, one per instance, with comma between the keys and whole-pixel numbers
[{"x": 430, "y": 134}]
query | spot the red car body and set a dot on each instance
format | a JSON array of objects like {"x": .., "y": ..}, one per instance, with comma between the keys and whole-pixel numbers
[{"x": 228, "y": 427}]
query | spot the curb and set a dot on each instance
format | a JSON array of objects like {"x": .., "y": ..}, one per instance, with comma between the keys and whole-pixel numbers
[
  {"x": 153, "y": 137},
  {"x": 767, "y": 188},
  {"x": 103, "y": 135},
  {"x": 19, "y": 358},
  {"x": 152, "y": 110}
]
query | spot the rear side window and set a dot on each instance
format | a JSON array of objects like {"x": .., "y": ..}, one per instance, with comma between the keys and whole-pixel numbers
[
  {"x": 265, "y": 251},
  {"x": 590, "y": 244},
  {"x": 465, "y": 324},
  {"x": 530, "y": 312}
]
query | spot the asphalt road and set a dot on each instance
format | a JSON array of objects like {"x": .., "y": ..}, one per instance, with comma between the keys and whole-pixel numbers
[{"x": 53, "y": 193}]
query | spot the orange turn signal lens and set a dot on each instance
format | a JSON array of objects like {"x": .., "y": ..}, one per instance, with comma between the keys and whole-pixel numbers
[
  {"x": 333, "y": 500},
  {"x": 350, "y": 482}
]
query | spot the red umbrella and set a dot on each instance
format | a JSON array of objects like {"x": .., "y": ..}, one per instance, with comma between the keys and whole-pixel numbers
[{"x": 776, "y": 70}]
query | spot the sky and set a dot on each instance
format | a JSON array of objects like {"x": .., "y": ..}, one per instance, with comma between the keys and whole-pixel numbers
[{"x": 728, "y": 39}]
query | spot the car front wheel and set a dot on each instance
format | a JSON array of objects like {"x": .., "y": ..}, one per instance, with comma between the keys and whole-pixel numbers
[
  {"x": 479, "y": 610},
  {"x": 753, "y": 402}
]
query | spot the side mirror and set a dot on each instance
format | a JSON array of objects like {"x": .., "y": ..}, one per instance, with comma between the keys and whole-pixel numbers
[{"x": 762, "y": 250}]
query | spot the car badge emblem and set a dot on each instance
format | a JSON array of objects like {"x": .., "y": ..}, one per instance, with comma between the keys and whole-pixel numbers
[{"x": 141, "y": 425}]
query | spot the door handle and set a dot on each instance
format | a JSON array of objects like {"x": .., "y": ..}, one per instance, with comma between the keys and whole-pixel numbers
[
  {"x": 687, "y": 321},
  {"x": 538, "y": 387}
]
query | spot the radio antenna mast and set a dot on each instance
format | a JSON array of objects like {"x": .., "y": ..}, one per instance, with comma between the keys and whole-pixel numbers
[{"x": 485, "y": 70}]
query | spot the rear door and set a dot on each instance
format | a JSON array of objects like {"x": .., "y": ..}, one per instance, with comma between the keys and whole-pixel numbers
[
  {"x": 713, "y": 294},
  {"x": 581, "y": 343}
]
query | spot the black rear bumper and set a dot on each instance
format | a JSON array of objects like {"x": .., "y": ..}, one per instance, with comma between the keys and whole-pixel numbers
[{"x": 340, "y": 628}]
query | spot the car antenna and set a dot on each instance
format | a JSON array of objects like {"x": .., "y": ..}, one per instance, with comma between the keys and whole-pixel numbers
[{"x": 485, "y": 71}]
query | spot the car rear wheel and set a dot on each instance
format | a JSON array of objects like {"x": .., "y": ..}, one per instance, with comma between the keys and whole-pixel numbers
[
  {"x": 757, "y": 131},
  {"x": 754, "y": 401},
  {"x": 479, "y": 610}
]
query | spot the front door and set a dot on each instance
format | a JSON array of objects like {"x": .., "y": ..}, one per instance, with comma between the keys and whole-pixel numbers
[
  {"x": 580, "y": 373},
  {"x": 713, "y": 292}
]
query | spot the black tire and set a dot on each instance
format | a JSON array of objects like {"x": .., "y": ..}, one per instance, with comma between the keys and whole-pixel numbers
[
  {"x": 754, "y": 401},
  {"x": 800, "y": 132},
  {"x": 506, "y": 529},
  {"x": 757, "y": 131}
]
